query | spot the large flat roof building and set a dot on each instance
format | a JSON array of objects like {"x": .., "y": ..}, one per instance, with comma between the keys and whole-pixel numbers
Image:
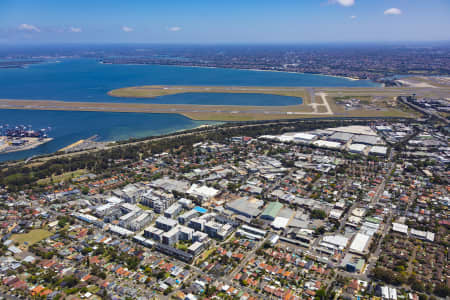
[
  {"x": 271, "y": 211},
  {"x": 280, "y": 223},
  {"x": 249, "y": 207},
  {"x": 378, "y": 150},
  {"x": 341, "y": 137},
  {"x": 254, "y": 230},
  {"x": 359, "y": 243},
  {"x": 401, "y": 228},
  {"x": 357, "y": 148},
  {"x": 366, "y": 139},
  {"x": 202, "y": 192},
  {"x": 170, "y": 185},
  {"x": 304, "y": 137},
  {"x": 355, "y": 129},
  {"x": 327, "y": 144},
  {"x": 334, "y": 241}
]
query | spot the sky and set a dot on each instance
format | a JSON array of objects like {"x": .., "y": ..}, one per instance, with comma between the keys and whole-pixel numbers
[{"x": 223, "y": 21}]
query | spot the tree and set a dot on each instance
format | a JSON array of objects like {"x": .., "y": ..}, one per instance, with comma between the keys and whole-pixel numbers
[
  {"x": 442, "y": 290},
  {"x": 132, "y": 262},
  {"x": 86, "y": 250},
  {"x": 388, "y": 276},
  {"x": 423, "y": 297},
  {"x": 70, "y": 281},
  {"x": 321, "y": 294},
  {"x": 168, "y": 290},
  {"x": 318, "y": 214},
  {"x": 320, "y": 230},
  {"x": 63, "y": 221},
  {"x": 210, "y": 290},
  {"x": 162, "y": 275},
  {"x": 85, "y": 190}
]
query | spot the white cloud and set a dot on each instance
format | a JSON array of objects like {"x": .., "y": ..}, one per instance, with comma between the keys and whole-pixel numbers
[
  {"x": 174, "y": 28},
  {"x": 393, "y": 11},
  {"x": 353, "y": 17},
  {"x": 28, "y": 27},
  {"x": 127, "y": 29},
  {"x": 75, "y": 29},
  {"x": 343, "y": 2}
]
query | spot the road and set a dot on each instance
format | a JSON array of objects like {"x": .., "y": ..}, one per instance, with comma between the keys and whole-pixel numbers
[
  {"x": 228, "y": 279},
  {"x": 244, "y": 262},
  {"x": 206, "y": 129},
  {"x": 425, "y": 111}
]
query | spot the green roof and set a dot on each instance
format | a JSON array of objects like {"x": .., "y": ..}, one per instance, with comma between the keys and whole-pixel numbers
[
  {"x": 272, "y": 209},
  {"x": 373, "y": 220}
]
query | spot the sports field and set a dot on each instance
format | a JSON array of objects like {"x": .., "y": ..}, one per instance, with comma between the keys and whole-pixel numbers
[{"x": 32, "y": 237}]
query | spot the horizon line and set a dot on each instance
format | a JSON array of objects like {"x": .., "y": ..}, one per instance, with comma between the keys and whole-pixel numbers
[{"x": 229, "y": 43}]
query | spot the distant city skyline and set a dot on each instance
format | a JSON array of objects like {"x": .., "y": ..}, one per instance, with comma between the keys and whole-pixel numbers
[{"x": 206, "y": 22}]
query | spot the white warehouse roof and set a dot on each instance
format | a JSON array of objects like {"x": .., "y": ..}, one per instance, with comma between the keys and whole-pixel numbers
[
  {"x": 400, "y": 228},
  {"x": 356, "y": 129},
  {"x": 327, "y": 144},
  {"x": 336, "y": 240},
  {"x": 304, "y": 136},
  {"x": 423, "y": 234},
  {"x": 285, "y": 138},
  {"x": 280, "y": 223},
  {"x": 359, "y": 243},
  {"x": 378, "y": 150},
  {"x": 358, "y": 148},
  {"x": 202, "y": 191}
]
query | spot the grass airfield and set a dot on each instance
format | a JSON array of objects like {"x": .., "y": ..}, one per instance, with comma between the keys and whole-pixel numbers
[
  {"x": 153, "y": 91},
  {"x": 317, "y": 102}
]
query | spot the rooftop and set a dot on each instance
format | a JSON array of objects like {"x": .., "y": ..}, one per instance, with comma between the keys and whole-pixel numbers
[
  {"x": 366, "y": 139},
  {"x": 341, "y": 136},
  {"x": 355, "y": 129},
  {"x": 359, "y": 243},
  {"x": 272, "y": 209},
  {"x": 246, "y": 206}
]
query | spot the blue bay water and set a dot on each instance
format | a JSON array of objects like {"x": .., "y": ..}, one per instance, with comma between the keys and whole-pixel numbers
[
  {"x": 68, "y": 127},
  {"x": 88, "y": 80}
]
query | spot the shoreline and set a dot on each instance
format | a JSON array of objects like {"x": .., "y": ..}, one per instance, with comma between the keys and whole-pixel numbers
[
  {"x": 196, "y": 127},
  {"x": 31, "y": 144},
  {"x": 412, "y": 84},
  {"x": 204, "y": 67},
  {"x": 241, "y": 69},
  {"x": 302, "y": 73},
  {"x": 68, "y": 148}
]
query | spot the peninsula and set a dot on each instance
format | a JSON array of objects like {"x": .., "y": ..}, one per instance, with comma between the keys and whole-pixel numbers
[{"x": 8, "y": 145}]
